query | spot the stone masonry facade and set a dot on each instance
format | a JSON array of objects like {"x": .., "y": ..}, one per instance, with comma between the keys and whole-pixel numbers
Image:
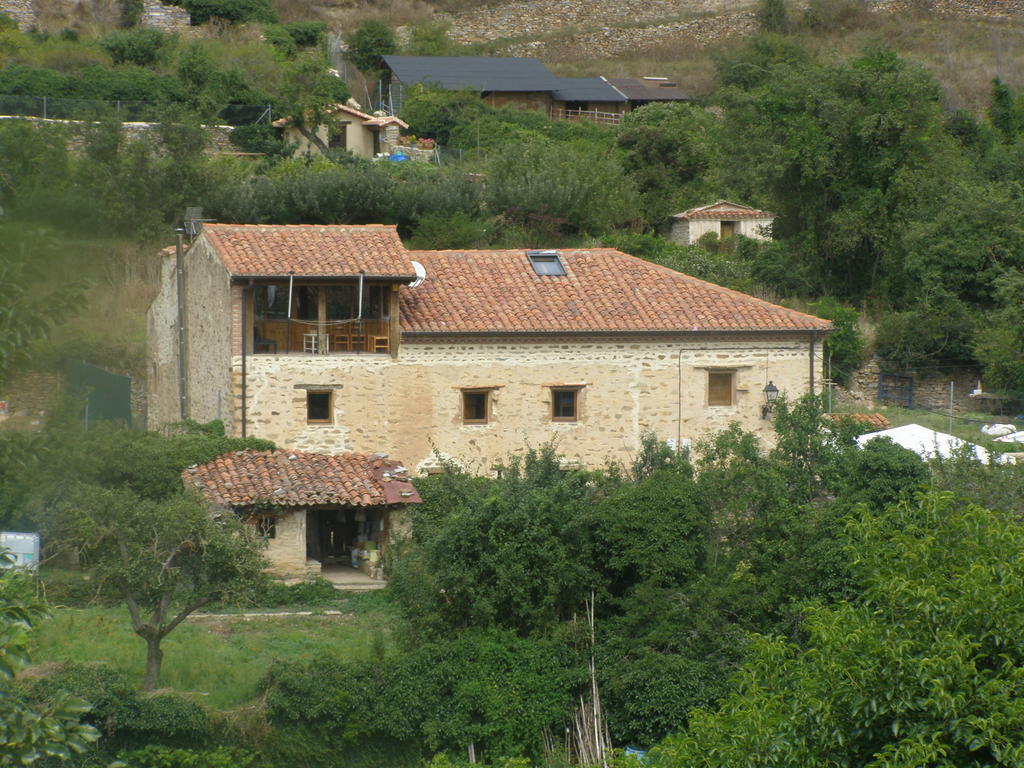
[{"x": 409, "y": 406}]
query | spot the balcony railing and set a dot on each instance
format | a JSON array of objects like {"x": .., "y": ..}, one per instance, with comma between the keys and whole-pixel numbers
[{"x": 277, "y": 337}]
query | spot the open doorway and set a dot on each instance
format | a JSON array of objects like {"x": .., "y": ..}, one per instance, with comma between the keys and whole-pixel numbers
[{"x": 331, "y": 534}]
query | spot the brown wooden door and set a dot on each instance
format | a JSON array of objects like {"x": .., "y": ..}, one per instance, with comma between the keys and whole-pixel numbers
[{"x": 728, "y": 229}]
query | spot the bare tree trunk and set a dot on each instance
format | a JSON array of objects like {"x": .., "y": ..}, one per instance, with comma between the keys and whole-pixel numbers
[
  {"x": 154, "y": 658},
  {"x": 312, "y": 137}
]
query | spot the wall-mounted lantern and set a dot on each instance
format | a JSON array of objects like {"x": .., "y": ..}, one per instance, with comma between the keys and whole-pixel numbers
[{"x": 771, "y": 394}]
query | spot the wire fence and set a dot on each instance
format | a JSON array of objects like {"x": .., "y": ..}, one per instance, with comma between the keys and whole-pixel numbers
[{"x": 63, "y": 108}]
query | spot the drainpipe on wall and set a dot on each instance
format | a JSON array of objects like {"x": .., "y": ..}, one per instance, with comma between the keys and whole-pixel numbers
[
  {"x": 179, "y": 269},
  {"x": 814, "y": 338},
  {"x": 679, "y": 401},
  {"x": 245, "y": 300}
]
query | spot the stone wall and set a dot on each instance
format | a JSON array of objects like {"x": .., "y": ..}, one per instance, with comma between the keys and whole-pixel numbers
[
  {"x": 287, "y": 550},
  {"x": 162, "y": 348},
  {"x": 686, "y": 232},
  {"x": 931, "y": 388},
  {"x": 22, "y": 11},
  {"x": 210, "y": 317},
  {"x": 410, "y": 405},
  {"x": 166, "y": 18},
  {"x": 219, "y": 136}
]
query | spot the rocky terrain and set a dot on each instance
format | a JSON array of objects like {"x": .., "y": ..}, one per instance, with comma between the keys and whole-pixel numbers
[{"x": 551, "y": 29}]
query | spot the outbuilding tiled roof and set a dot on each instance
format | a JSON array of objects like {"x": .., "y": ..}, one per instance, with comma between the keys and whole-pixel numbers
[
  {"x": 602, "y": 290},
  {"x": 264, "y": 250},
  {"x": 869, "y": 422},
  {"x": 298, "y": 479},
  {"x": 723, "y": 209}
]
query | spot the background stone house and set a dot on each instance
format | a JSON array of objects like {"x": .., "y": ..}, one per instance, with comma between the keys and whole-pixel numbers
[
  {"x": 490, "y": 352},
  {"x": 315, "y": 510},
  {"x": 724, "y": 219}
]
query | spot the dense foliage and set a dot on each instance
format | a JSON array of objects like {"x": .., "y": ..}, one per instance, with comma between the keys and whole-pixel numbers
[
  {"x": 923, "y": 669},
  {"x": 32, "y": 731}
]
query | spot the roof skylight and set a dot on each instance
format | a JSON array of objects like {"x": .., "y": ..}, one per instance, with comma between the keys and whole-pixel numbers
[{"x": 546, "y": 263}]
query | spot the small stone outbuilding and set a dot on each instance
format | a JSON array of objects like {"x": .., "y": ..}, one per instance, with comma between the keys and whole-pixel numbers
[
  {"x": 361, "y": 134},
  {"x": 724, "y": 219},
  {"x": 316, "y": 510}
]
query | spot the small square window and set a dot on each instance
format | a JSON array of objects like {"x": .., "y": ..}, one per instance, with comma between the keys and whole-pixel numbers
[
  {"x": 546, "y": 263},
  {"x": 564, "y": 404},
  {"x": 318, "y": 408},
  {"x": 721, "y": 386},
  {"x": 475, "y": 406}
]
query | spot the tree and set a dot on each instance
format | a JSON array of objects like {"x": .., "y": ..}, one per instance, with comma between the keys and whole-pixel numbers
[
  {"x": 771, "y": 16},
  {"x": 29, "y": 734},
  {"x": 848, "y": 154},
  {"x": 924, "y": 670},
  {"x": 999, "y": 342},
  {"x": 369, "y": 44},
  {"x": 164, "y": 559},
  {"x": 1003, "y": 113},
  {"x": 668, "y": 150},
  {"x": 307, "y": 94}
]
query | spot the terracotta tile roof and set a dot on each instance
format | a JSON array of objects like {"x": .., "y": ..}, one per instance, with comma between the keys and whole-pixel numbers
[
  {"x": 602, "y": 290},
  {"x": 297, "y": 479},
  {"x": 387, "y": 120},
  {"x": 265, "y": 250},
  {"x": 872, "y": 422},
  {"x": 724, "y": 209}
]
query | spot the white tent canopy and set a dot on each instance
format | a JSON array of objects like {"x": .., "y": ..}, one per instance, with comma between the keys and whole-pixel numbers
[{"x": 929, "y": 444}]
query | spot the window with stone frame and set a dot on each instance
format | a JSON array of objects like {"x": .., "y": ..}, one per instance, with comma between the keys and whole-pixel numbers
[
  {"x": 320, "y": 407},
  {"x": 476, "y": 406},
  {"x": 565, "y": 404},
  {"x": 721, "y": 388}
]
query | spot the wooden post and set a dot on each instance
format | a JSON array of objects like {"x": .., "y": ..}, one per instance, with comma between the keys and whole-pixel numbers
[{"x": 394, "y": 328}]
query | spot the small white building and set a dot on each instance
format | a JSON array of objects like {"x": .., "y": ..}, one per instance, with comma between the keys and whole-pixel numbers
[{"x": 723, "y": 218}]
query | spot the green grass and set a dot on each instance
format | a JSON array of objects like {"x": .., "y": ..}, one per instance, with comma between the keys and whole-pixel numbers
[{"x": 220, "y": 660}]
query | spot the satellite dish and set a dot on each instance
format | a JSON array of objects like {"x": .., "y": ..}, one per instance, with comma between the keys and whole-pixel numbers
[{"x": 421, "y": 274}]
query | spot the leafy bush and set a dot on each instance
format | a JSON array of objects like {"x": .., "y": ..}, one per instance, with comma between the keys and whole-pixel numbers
[
  {"x": 915, "y": 671},
  {"x": 307, "y": 34},
  {"x": 436, "y": 112},
  {"x": 126, "y": 717},
  {"x": 234, "y": 11},
  {"x": 429, "y": 38},
  {"x": 258, "y": 137},
  {"x": 934, "y": 330},
  {"x": 281, "y": 39},
  {"x": 845, "y": 345},
  {"x": 487, "y": 686},
  {"x": 565, "y": 187},
  {"x": 311, "y": 593},
  {"x": 155, "y": 756},
  {"x": 143, "y": 47},
  {"x": 131, "y": 13},
  {"x": 455, "y": 230},
  {"x": 368, "y": 44}
]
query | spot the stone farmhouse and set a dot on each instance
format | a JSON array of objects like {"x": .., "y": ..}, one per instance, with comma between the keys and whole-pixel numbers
[
  {"x": 336, "y": 339},
  {"x": 724, "y": 219},
  {"x": 318, "y": 512}
]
